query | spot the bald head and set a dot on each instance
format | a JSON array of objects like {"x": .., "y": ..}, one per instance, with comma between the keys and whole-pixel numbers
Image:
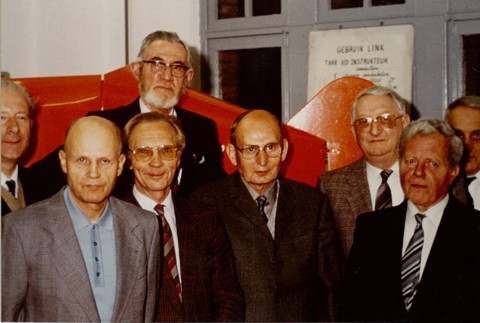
[
  {"x": 93, "y": 127},
  {"x": 92, "y": 159},
  {"x": 255, "y": 118}
]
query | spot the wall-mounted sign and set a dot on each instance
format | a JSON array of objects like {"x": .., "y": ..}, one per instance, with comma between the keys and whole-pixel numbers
[{"x": 383, "y": 55}]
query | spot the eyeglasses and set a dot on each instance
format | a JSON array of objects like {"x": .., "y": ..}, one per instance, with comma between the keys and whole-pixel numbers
[
  {"x": 385, "y": 120},
  {"x": 272, "y": 150},
  {"x": 145, "y": 154},
  {"x": 156, "y": 66}
]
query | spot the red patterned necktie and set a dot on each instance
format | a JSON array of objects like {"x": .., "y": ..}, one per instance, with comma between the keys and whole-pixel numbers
[{"x": 169, "y": 249}]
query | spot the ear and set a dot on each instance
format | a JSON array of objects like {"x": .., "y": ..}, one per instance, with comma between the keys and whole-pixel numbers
[
  {"x": 285, "y": 149},
  {"x": 189, "y": 76},
  {"x": 405, "y": 120},
  {"x": 121, "y": 162},
  {"x": 135, "y": 68},
  {"x": 63, "y": 160},
  {"x": 232, "y": 154},
  {"x": 453, "y": 174}
]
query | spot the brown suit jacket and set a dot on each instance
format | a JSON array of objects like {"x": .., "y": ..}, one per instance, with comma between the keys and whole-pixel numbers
[
  {"x": 210, "y": 288},
  {"x": 347, "y": 189},
  {"x": 44, "y": 277},
  {"x": 295, "y": 276}
]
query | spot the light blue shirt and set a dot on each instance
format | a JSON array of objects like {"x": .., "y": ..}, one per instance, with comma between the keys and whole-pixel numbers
[{"x": 97, "y": 242}]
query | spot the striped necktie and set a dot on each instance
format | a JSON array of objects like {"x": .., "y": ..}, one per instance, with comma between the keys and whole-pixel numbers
[
  {"x": 384, "y": 196},
  {"x": 169, "y": 249},
  {"x": 261, "y": 202},
  {"x": 411, "y": 263}
]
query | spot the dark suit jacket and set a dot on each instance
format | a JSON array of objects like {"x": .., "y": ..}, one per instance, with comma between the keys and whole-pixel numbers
[
  {"x": 202, "y": 159},
  {"x": 347, "y": 189},
  {"x": 294, "y": 277},
  {"x": 450, "y": 286},
  {"x": 210, "y": 288},
  {"x": 24, "y": 178},
  {"x": 201, "y": 162},
  {"x": 459, "y": 190},
  {"x": 44, "y": 277}
]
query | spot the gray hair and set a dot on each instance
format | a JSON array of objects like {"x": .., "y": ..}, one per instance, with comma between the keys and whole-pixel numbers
[
  {"x": 470, "y": 101},
  {"x": 7, "y": 84},
  {"x": 426, "y": 127},
  {"x": 167, "y": 36},
  {"x": 154, "y": 117},
  {"x": 403, "y": 106}
]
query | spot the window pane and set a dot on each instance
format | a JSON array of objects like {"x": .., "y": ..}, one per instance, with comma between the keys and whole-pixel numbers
[
  {"x": 387, "y": 2},
  {"x": 266, "y": 7},
  {"x": 471, "y": 64},
  {"x": 343, "y": 4},
  {"x": 251, "y": 78},
  {"x": 231, "y": 9}
]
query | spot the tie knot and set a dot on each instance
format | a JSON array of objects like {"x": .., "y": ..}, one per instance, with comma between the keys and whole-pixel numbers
[
  {"x": 385, "y": 174},
  {"x": 261, "y": 201},
  {"x": 11, "y": 186},
  {"x": 160, "y": 209},
  {"x": 419, "y": 217}
]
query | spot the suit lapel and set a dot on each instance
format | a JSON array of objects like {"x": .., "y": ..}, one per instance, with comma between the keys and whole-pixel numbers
[
  {"x": 284, "y": 210},
  {"x": 359, "y": 197},
  {"x": 68, "y": 258},
  {"x": 128, "y": 250},
  {"x": 186, "y": 231},
  {"x": 245, "y": 203}
]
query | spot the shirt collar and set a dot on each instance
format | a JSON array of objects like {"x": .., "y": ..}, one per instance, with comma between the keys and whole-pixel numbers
[
  {"x": 80, "y": 220},
  {"x": 149, "y": 204},
  {"x": 144, "y": 108},
  {"x": 14, "y": 176},
  {"x": 434, "y": 213}
]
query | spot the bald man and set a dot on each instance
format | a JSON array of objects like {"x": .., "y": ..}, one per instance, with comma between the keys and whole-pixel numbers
[
  {"x": 82, "y": 255},
  {"x": 282, "y": 232}
]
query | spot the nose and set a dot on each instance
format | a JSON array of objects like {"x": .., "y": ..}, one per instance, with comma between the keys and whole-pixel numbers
[
  {"x": 156, "y": 160},
  {"x": 93, "y": 170},
  {"x": 12, "y": 125},
  {"x": 375, "y": 128},
  {"x": 167, "y": 73},
  {"x": 261, "y": 158},
  {"x": 420, "y": 170}
]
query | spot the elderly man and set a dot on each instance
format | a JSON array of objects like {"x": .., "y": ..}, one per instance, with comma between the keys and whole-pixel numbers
[
  {"x": 17, "y": 108},
  {"x": 463, "y": 115},
  {"x": 379, "y": 115},
  {"x": 283, "y": 233},
  {"x": 199, "y": 280},
  {"x": 163, "y": 70},
  {"x": 419, "y": 261},
  {"x": 82, "y": 255}
]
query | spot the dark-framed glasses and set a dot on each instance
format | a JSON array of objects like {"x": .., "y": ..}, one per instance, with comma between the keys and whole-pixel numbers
[
  {"x": 272, "y": 150},
  {"x": 145, "y": 154},
  {"x": 385, "y": 120},
  {"x": 156, "y": 66}
]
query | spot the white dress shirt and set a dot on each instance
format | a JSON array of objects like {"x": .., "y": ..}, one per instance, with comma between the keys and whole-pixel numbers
[{"x": 375, "y": 179}]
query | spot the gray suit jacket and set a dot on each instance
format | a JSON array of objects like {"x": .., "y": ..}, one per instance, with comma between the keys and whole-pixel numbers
[
  {"x": 295, "y": 276},
  {"x": 347, "y": 188},
  {"x": 44, "y": 277}
]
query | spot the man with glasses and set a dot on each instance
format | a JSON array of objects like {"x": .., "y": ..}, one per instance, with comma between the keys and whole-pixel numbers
[
  {"x": 163, "y": 70},
  {"x": 287, "y": 256},
  {"x": 379, "y": 115},
  {"x": 199, "y": 279}
]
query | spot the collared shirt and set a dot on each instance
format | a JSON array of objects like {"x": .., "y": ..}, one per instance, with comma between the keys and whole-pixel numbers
[
  {"x": 97, "y": 242},
  {"x": 375, "y": 179},
  {"x": 148, "y": 204},
  {"x": 271, "y": 207},
  {"x": 5, "y": 178},
  {"x": 474, "y": 190},
  {"x": 430, "y": 224}
]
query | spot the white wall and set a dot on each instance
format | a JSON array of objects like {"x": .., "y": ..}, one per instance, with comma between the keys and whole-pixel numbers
[{"x": 72, "y": 37}]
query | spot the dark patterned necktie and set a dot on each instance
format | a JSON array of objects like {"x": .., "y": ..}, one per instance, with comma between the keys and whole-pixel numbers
[
  {"x": 411, "y": 263},
  {"x": 384, "y": 195},
  {"x": 468, "y": 181},
  {"x": 11, "y": 186},
  {"x": 261, "y": 202},
  {"x": 169, "y": 249}
]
